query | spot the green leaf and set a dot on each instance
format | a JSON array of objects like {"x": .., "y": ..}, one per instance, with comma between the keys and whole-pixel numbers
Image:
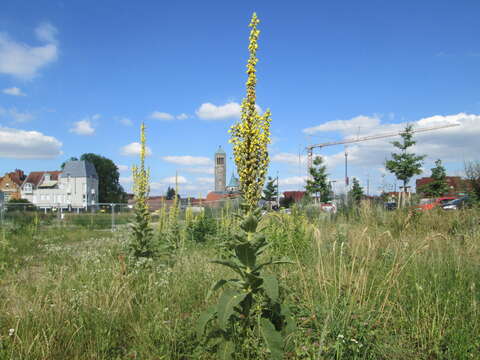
[
  {"x": 271, "y": 262},
  {"x": 246, "y": 254},
  {"x": 290, "y": 324},
  {"x": 249, "y": 223},
  {"x": 204, "y": 318},
  {"x": 225, "y": 350},
  {"x": 273, "y": 338},
  {"x": 216, "y": 286},
  {"x": 226, "y": 304},
  {"x": 230, "y": 264},
  {"x": 220, "y": 283},
  {"x": 270, "y": 285}
]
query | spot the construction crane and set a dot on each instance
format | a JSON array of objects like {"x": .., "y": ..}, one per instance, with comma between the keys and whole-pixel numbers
[{"x": 366, "y": 138}]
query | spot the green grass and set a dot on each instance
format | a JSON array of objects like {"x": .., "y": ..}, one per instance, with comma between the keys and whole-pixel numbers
[{"x": 365, "y": 285}]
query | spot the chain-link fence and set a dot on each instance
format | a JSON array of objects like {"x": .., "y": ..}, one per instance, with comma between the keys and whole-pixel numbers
[
  {"x": 100, "y": 217},
  {"x": 104, "y": 216}
]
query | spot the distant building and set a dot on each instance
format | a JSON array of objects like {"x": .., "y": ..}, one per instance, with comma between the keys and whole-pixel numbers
[
  {"x": 233, "y": 185},
  {"x": 220, "y": 170},
  {"x": 10, "y": 185},
  {"x": 294, "y": 195},
  {"x": 76, "y": 187},
  {"x": 455, "y": 183}
]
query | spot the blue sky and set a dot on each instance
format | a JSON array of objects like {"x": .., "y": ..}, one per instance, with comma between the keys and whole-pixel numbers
[{"x": 80, "y": 76}]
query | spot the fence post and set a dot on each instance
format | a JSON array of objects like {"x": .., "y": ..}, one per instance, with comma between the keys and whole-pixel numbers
[{"x": 113, "y": 216}]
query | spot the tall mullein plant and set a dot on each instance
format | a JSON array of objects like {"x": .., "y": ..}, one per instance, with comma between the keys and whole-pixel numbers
[
  {"x": 141, "y": 245},
  {"x": 251, "y": 136},
  {"x": 251, "y": 303}
]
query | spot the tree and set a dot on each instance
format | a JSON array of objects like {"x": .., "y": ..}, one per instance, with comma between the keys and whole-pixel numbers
[
  {"x": 405, "y": 165},
  {"x": 318, "y": 184},
  {"x": 356, "y": 193},
  {"x": 270, "y": 191},
  {"x": 170, "y": 195},
  {"x": 109, "y": 188},
  {"x": 438, "y": 186},
  {"x": 472, "y": 172}
]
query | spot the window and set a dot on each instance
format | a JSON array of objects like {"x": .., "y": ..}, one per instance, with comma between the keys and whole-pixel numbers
[
  {"x": 28, "y": 188},
  {"x": 220, "y": 160}
]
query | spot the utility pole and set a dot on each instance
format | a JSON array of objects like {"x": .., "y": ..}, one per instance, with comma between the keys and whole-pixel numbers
[
  {"x": 346, "y": 176},
  {"x": 368, "y": 184},
  {"x": 278, "y": 194}
]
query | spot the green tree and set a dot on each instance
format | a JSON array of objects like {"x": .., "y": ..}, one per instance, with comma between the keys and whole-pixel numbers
[
  {"x": 472, "y": 172},
  {"x": 438, "y": 186},
  {"x": 405, "y": 165},
  {"x": 170, "y": 195},
  {"x": 109, "y": 188},
  {"x": 317, "y": 184},
  {"x": 356, "y": 193},
  {"x": 270, "y": 191}
]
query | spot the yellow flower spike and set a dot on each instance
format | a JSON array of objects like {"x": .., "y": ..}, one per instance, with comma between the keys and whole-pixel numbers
[{"x": 250, "y": 137}]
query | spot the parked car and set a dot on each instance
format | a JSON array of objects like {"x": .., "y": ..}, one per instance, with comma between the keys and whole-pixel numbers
[
  {"x": 390, "y": 206},
  {"x": 456, "y": 204},
  {"x": 429, "y": 204}
]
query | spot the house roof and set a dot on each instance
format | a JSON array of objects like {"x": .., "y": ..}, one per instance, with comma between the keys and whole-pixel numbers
[
  {"x": 35, "y": 177},
  {"x": 48, "y": 184},
  {"x": 79, "y": 168},
  {"x": 16, "y": 176}
]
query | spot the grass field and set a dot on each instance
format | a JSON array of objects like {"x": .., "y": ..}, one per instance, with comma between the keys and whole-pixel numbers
[{"x": 367, "y": 284}]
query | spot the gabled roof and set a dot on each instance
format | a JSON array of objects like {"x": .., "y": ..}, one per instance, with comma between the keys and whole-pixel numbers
[
  {"x": 35, "y": 177},
  {"x": 16, "y": 176},
  {"x": 79, "y": 168}
]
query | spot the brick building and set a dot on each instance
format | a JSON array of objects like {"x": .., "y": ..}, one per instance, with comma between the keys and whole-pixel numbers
[
  {"x": 11, "y": 183},
  {"x": 455, "y": 183}
]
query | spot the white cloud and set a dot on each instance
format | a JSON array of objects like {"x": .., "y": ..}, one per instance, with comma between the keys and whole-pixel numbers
[
  {"x": 24, "y": 61},
  {"x": 133, "y": 149},
  {"x": 354, "y": 125},
  {"x": 18, "y": 117},
  {"x": 173, "y": 180},
  {"x": 46, "y": 32},
  {"x": 289, "y": 158},
  {"x": 14, "y": 91},
  {"x": 83, "y": 127},
  {"x": 126, "y": 180},
  {"x": 122, "y": 168},
  {"x": 200, "y": 170},
  {"x": 126, "y": 121},
  {"x": 22, "y": 144},
  {"x": 188, "y": 160},
  {"x": 161, "y": 116},
  {"x": 291, "y": 181},
  {"x": 182, "y": 116},
  {"x": 209, "y": 111},
  {"x": 205, "y": 180}
]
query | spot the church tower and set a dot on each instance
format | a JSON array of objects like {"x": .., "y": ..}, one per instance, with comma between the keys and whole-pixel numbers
[{"x": 220, "y": 170}]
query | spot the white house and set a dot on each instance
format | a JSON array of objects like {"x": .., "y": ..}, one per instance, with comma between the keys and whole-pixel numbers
[{"x": 76, "y": 187}]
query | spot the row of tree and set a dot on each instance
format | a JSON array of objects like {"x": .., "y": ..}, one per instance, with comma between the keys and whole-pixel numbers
[{"x": 403, "y": 164}]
